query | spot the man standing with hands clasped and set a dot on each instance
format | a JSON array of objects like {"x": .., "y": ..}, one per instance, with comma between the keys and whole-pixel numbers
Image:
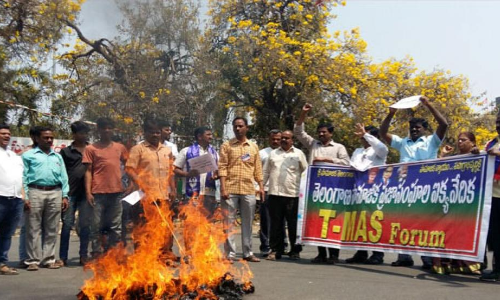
[
  {"x": 265, "y": 219},
  {"x": 282, "y": 171},
  {"x": 416, "y": 147},
  {"x": 103, "y": 186},
  {"x": 322, "y": 150},
  {"x": 46, "y": 182},
  {"x": 239, "y": 167}
]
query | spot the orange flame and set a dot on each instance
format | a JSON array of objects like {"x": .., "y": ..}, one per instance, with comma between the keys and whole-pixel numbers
[{"x": 150, "y": 268}]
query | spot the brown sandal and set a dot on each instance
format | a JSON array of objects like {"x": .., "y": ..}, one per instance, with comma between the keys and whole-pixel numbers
[
  {"x": 5, "y": 270},
  {"x": 52, "y": 266}
]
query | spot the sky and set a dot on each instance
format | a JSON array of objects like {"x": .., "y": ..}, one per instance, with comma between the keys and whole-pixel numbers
[{"x": 460, "y": 36}]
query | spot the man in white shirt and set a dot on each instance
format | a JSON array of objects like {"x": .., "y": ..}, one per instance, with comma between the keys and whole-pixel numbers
[
  {"x": 166, "y": 132},
  {"x": 11, "y": 197},
  {"x": 372, "y": 154},
  {"x": 282, "y": 174},
  {"x": 198, "y": 186},
  {"x": 265, "y": 222}
]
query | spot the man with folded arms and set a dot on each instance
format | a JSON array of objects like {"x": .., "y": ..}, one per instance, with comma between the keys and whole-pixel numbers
[{"x": 46, "y": 185}]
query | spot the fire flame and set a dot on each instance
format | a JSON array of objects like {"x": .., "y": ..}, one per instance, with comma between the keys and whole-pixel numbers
[{"x": 158, "y": 276}]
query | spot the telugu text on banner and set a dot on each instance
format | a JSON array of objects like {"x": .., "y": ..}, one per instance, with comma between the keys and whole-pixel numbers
[{"x": 434, "y": 208}]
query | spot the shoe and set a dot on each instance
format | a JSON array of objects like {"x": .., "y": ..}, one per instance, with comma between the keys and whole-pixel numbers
[
  {"x": 492, "y": 276},
  {"x": 402, "y": 263},
  {"x": 84, "y": 260},
  {"x": 22, "y": 265},
  {"x": 61, "y": 263},
  {"x": 294, "y": 256},
  {"x": 252, "y": 258},
  {"x": 374, "y": 261},
  {"x": 356, "y": 259},
  {"x": 319, "y": 260},
  {"x": 271, "y": 256},
  {"x": 265, "y": 253},
  {"x": 32, "y": 267},
  {"x": 332, "y": 260}
]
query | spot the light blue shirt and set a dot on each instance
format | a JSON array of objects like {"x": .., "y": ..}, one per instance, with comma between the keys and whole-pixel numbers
[
  {"x": 44, "y": 169},
  {"x": 425, "y": 147}
]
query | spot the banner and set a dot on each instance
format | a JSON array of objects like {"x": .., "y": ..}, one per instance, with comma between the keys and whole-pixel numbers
[
  {"x": 437, "y": 208},
  {"x": 19, "y": 144}
]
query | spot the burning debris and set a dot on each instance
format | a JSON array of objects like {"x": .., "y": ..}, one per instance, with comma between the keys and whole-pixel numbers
[
  {"x": 226, "y": 289},
  {"x": 152, "y": 270}
]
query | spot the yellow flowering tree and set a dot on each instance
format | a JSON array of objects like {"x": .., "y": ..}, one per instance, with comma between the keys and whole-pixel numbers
[
  {"x": 270, "y": 57},
  {"x": 30, "y": 32}
]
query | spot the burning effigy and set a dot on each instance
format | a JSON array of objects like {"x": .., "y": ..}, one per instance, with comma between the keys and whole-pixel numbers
[{"x": 202, "y": 272}]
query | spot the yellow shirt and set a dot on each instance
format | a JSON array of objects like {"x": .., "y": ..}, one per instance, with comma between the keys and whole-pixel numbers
[{"x": 240, "y": 163}]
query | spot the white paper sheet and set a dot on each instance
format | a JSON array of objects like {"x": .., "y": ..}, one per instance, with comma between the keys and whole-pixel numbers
[
  {"x": 134, "y": 197},
  {"x": 204, "y": 163},
  {"x": 408, "y": 102}
]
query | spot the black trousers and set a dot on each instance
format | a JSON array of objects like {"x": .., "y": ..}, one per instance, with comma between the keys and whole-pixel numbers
[
  {"x": 494, "y": 232},
  {"x": 281, "y": 209},
  {"x": 334, "y": 252},
  {"x": 364, "y": 254}
]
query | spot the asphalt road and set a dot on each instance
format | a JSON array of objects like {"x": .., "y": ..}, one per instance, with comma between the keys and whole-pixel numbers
[{"x": 283, "y": 279}]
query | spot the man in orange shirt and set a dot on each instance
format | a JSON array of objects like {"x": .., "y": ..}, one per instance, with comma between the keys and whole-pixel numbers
[
  {"x": 149, "y": 166},
  {"x": 103, "y": 186}
]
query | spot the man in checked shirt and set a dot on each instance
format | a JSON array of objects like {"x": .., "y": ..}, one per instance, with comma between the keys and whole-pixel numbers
[{"x": 239, "y": 167}]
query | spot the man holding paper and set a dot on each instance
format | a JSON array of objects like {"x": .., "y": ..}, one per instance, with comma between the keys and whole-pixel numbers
[
  {"x": 198, "y": 164},
  {"x": 416, "y": 147}
]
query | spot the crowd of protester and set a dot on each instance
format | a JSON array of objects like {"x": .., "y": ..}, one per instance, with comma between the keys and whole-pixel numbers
[{"x": 40, "y": 188}]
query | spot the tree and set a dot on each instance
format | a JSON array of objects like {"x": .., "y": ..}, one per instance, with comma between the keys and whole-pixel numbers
[
  {"x": 30, "y": 31},
  {"x": 270, "y": 57},
  {"x": 146, "y": 70}
]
